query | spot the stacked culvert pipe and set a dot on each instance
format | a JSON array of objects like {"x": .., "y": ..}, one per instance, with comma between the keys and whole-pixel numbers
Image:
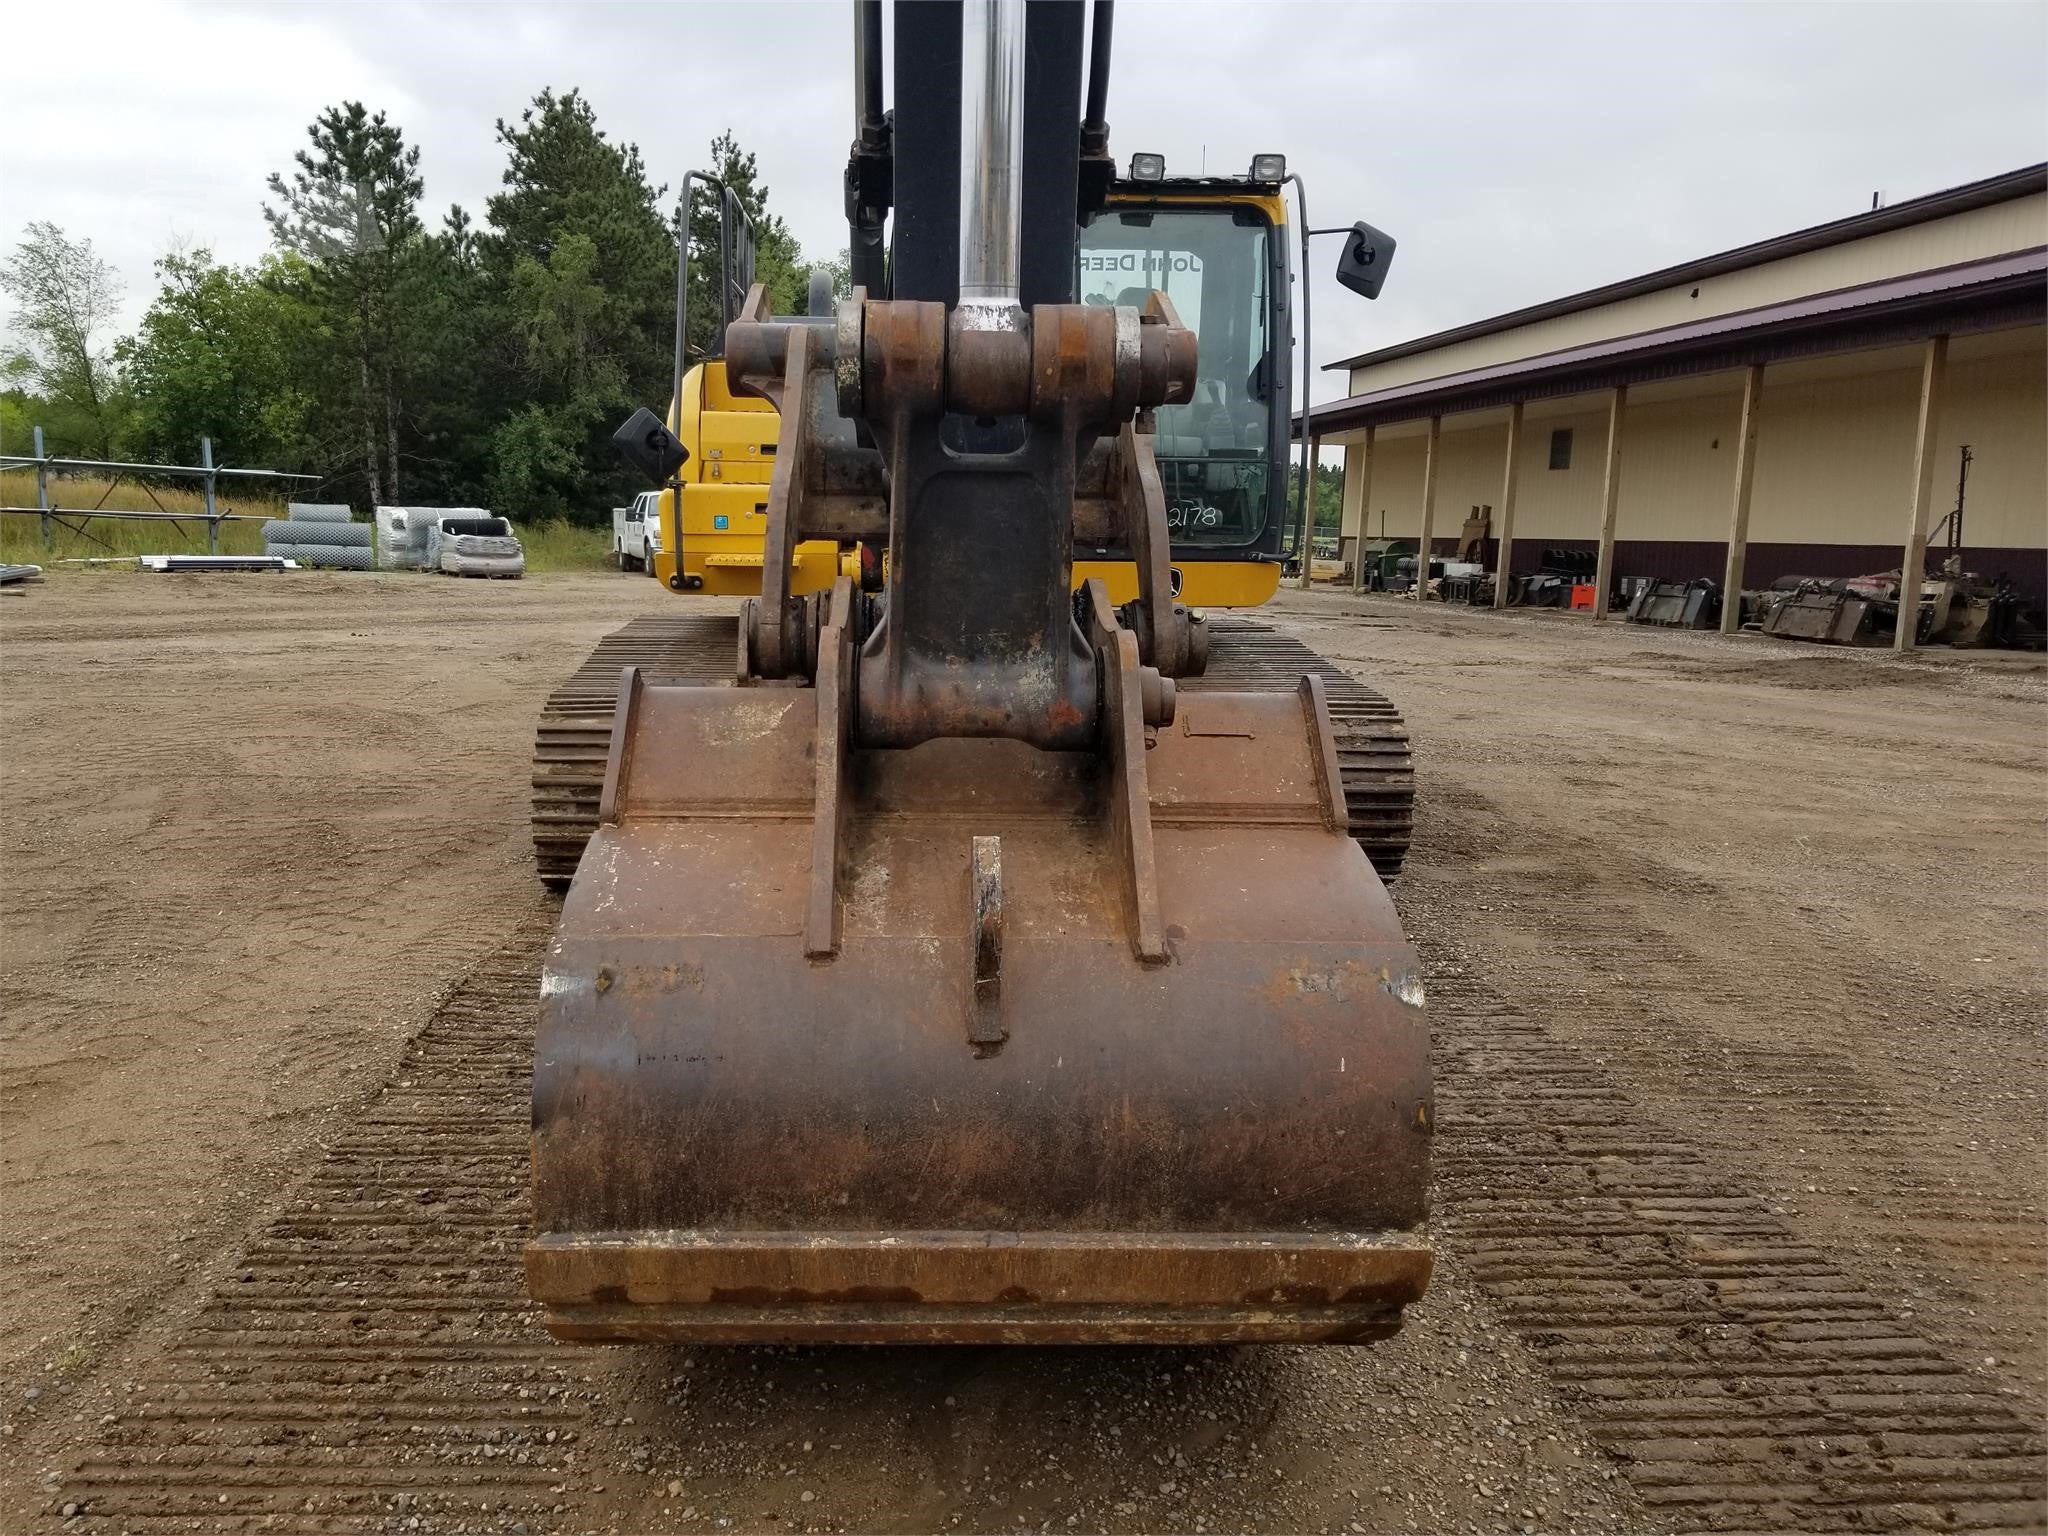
[{"x": 319, "y": 534}]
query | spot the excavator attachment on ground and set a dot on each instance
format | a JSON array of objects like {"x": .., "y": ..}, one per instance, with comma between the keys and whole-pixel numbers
[
  {"x": 953, "y": 974},
  {"x": 1105, "y": 1047}
]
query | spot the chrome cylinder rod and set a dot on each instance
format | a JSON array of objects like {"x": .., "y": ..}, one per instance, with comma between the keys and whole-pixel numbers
[{"x": 991, "y": 150}]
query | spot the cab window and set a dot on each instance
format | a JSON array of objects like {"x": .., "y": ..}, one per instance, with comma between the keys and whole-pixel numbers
[{"x": 1214, "y": 451}]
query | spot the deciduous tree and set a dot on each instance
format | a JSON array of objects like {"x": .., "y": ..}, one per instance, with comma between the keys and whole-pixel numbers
[
  {"x": 68, "y": 301},
  {"x": 218, "y": 355}
]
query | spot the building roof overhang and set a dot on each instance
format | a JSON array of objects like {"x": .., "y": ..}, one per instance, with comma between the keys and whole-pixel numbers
[
  {"x": 2024, "y": 182},
  {"x": 1989, "y": 294}
]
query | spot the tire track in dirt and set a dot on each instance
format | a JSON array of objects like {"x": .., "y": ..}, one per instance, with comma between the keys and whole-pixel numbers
[
  {"x": 362, "y": 1367},
  {"x": 1686, "y": 1172},
  {"x": 371, "y": 1360},
  {"x": 1791, "y": 1046},
  {"x": 1740, "y": 1376},
  {"x": 370, "y": 1356}
]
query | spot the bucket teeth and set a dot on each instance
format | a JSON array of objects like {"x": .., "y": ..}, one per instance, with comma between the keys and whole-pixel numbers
[{"x": 985, "y": 1029}]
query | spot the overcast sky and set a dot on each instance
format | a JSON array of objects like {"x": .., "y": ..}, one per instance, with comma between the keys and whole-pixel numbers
[{"x": 1517, "y": 152}]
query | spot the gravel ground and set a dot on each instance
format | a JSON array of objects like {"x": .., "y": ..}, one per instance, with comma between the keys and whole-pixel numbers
[{"x": 1784, "y": 903}]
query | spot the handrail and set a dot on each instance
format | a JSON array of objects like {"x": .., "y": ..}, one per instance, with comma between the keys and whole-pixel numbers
[
  {"x": 728, "y": 204},
  {"x": 1302, "y": 546}
]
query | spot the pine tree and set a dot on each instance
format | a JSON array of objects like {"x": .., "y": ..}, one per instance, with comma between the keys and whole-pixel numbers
[
  {"x": 451, "y": 325},
  {"x": 564, "y": 178},
  {"x": 581, "y": 270},
  {"x": 350, "y": 211}
]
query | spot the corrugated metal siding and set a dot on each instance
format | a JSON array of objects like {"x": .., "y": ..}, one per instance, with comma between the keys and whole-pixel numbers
[
  {"x": 1835, "y": 458},
  {"x": 2005, "y": 227},
  {"x": 1834, "y": 462},
  {"x": 2000, "y": 408},
  {"x": 1561, "y": 502},
  {"x": 2009, "y": 186},
  {"x": 1396, "y": 495}
]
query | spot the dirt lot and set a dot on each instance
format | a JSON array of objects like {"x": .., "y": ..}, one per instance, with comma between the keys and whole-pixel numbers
[{"x": 1737, "y": 987}]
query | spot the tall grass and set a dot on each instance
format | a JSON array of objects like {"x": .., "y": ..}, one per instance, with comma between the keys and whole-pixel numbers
[
  {"x": 561, "y": 546},
  {"x": 21, "y": 537},
  {"x": 550, "y": 546}
]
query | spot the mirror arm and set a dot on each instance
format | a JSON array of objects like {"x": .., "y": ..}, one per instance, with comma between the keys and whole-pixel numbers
[{"x": 1301, "y": 501}]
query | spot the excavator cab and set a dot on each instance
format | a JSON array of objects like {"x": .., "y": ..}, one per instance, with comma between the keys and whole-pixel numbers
[
  {"x": 1217, "y": 248},
  {"x": 966, "y": 965}
]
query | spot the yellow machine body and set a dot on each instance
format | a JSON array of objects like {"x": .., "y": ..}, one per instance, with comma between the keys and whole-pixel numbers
[
  {"x": 732, "y": 440},
  {"x": 1203, "y": 583},
  {"x": 714, "y": 538}
]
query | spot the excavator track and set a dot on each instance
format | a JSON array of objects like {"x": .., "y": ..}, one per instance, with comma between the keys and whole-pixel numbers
[
  {"x": 575, "y": 730},
  {"x": 1372, "y": 742}
]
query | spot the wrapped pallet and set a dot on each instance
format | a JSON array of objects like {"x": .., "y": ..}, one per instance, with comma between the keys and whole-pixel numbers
[
  {"x": 401, "y": 537},
  {"x": 476, "y": 546}
]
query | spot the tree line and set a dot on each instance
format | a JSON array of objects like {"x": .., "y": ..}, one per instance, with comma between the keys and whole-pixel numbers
[
  {"x": 1329, "y": 494},
  {"x": 471, "y": 364}
]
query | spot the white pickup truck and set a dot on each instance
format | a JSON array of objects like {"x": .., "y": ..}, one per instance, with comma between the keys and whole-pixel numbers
[{"x": 636, "y": 532}]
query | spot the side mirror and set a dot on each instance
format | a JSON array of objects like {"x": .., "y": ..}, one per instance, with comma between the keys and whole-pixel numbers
[
  {"x": 650, "y": 447},
  {"x": 1368, "y": 253}
]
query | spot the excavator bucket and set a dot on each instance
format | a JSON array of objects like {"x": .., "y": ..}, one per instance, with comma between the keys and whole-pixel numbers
[
  {"x": 983, "y": 1119},
  {"x": 953, "y": 975}
]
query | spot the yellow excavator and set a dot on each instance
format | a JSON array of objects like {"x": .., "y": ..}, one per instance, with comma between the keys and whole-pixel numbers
[
  {"x": 958, "y": 955},
  {"x": 1218, "y": 245},
  {"x": 1212, "y": 243},
  {"x": 713, "y": 519}
]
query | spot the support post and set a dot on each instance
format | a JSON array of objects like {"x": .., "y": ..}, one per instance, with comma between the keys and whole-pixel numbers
[
  {"x": 1364, "y": 510},
  {"x": 1610, "y": 499},
  {"x": 1913, "y": 568},
  {"x": 1510, "y": 480},
  {"x": 212, "y": 520},
  {"x": 43, "y": 487},
  {"x": 1308, "y": 515},
  {"x": 1738, "y": 522},
  {"x": 1427, "y": 537}
]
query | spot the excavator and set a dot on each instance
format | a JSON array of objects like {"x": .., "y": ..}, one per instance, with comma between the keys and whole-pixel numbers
[
  {"x": 1216, "y": 244},
  {"x": 958, "y": 952}
]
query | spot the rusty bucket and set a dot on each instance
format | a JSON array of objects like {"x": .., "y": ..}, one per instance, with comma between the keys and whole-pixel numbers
[{"x": 983, "y": 1118}]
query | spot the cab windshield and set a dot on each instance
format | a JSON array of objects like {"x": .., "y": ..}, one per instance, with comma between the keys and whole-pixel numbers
[{"x": 1214, "y": 451}]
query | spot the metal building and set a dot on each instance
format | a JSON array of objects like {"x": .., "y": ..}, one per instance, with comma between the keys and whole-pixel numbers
[{"x": 1802, "y": 405}]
